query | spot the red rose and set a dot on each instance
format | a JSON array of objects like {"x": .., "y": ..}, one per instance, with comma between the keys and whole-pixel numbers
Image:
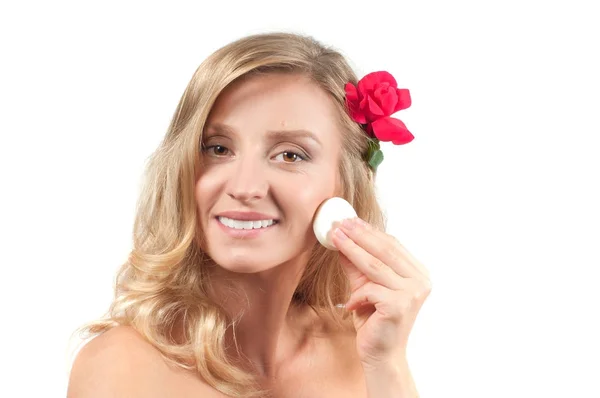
[{"x": 376, "y": 98}]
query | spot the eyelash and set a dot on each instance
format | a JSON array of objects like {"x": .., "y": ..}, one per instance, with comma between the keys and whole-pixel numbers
[{"x": 300, "y": 156}]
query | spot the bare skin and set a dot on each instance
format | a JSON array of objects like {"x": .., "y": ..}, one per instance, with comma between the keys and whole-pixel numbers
[
  {"x": 120, "y": 363},
  {"x": 258, "y": 158},
  {"x": 247, "y": 168}
]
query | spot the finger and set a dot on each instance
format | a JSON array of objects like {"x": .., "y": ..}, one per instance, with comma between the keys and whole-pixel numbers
[
  {"x": 356, "y": 278},
  {"x": 382, "y": 246},
  {"x": 372, "y": 267},
  {"x": 386, "y": 301}
]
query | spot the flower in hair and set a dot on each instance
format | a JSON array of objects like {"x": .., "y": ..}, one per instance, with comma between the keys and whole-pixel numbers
[{"x": 371, "y": 103}]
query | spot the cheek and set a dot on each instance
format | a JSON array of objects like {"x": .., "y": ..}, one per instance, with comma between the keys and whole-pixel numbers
[
  {"x": 204, "y": 192},
  {"x": 312, "y": 193}
]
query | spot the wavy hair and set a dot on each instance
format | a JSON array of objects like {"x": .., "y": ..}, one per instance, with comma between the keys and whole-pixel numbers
[{"x": 163, "y": 285}]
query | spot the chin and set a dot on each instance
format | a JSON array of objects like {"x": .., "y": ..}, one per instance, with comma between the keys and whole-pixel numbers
[{"x": 244, "y": 263}]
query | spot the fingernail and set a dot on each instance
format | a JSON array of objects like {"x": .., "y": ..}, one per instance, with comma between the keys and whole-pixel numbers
[
  {"x": 340, "y": 234},
  {"x": 348, "y": 224},
  {"x": 360, "y": 222}
]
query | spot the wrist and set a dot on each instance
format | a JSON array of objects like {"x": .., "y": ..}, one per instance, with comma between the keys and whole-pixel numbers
[
  {"x": 392, "y": 363},
  {"x": 390, "y": 380}
]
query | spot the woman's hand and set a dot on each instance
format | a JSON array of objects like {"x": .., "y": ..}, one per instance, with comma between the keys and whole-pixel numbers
[{"x": 389, "y": 287}]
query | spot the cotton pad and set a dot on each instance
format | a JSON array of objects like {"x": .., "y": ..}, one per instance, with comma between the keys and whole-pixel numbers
[{"x": 329, "y": 212}]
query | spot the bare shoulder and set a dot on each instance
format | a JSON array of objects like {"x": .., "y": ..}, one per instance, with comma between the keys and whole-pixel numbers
[
  {"x": 121, "y": 363},
  {"x": 117, "y": 363}
]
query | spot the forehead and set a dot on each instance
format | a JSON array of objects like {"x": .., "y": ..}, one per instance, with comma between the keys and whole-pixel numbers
[{"x": 276, "y": 101}]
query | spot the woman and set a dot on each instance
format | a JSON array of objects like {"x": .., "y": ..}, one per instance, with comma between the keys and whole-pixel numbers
[{"x": 227, "y": 291}]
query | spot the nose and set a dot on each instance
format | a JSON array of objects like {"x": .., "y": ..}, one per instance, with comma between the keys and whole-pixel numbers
[{"x": 247, "y": 182}]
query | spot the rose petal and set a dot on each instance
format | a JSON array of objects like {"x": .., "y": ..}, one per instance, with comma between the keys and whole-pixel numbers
[
  {"x": 404, "y": 100},
  {"x": 387, "y": 99},
  {"x": 358, "y": 116},
  {"x": 374, "y": 108},
  {"x": 404, "y": 138},
  {"x": 351, "y": 92},
  {"x": 353, "y": 104},
  {"x": 352, "y": 100},
  {"x": 368, "y": 83},
  {"x": 364, "y": 110},
  {"x": 391, "y": 129},
  {"x": 370, "y": 130}
]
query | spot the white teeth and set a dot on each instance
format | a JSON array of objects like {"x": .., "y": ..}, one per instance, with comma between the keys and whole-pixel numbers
[{"x": 239, "y": 224}]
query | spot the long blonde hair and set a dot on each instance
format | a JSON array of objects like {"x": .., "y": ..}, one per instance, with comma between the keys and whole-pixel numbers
[{"x": 163, "y": 283}]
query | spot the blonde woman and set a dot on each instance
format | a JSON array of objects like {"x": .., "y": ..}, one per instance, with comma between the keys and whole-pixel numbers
[{"x": 205, "y": 307}]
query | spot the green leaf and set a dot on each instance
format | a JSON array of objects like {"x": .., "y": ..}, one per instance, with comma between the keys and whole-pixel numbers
[
  {"x": 372, "y": 148},
  {"x": 373, "y": 145},
  {"x": 376, "y": 159},
  {"x": 374, "y": 156}
]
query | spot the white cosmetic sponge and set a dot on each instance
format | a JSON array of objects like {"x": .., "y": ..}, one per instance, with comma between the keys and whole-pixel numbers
[{"x": 329, "y": 212}]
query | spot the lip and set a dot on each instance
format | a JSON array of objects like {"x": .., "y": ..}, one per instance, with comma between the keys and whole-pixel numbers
[
  {"x": 246, "y": 215},
  {"x": 245, "y": 233}
]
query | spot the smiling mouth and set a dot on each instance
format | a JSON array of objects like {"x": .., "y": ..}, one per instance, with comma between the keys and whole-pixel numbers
[{"x": 242, "y": 225}]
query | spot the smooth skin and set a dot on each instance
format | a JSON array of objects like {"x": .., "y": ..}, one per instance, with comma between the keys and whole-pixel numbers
[
  {"x": 253, "y": 163},
  {"x": 389, "y": 287}
]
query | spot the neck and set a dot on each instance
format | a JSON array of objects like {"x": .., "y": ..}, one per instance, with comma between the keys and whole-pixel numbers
[{"x": 267, "y": 332}]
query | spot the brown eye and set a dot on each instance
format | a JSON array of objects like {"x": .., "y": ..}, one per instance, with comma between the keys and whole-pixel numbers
[
  {"x": 220, "y": 150},
  {"x": 290, "y": 157},
  {"x": 216, "y": 150}
]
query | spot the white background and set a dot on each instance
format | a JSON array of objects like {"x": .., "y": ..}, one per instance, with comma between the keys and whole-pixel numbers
[{"x": 498, "y": 195}]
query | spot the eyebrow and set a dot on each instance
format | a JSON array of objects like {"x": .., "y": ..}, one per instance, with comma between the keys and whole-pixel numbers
[{"x": 273, "y": 135}]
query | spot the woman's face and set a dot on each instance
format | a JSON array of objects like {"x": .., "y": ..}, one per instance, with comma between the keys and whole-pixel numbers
[{"x": 271, "y": 149}]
